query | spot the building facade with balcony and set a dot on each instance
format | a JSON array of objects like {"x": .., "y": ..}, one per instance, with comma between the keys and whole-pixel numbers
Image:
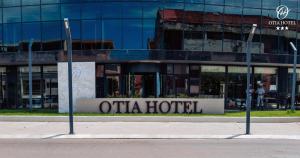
[{"x": 149, "y": 48}]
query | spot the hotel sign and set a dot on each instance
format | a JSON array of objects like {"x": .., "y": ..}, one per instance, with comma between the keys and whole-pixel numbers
[
  {"x": 282, "y": 13},
  {"x": 151, "y": 105}
]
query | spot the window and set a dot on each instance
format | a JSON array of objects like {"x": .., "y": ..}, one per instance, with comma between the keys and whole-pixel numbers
[
  {"x": 11, "y": 15},
  {"x": 31, "y": 13},
  {"x": 91, "y": 11},
  {"x": 31, "y": 31},
  {"x": 213, "y": 81},
  {"x": 50, "y": 12},
  {"x": 234, "y": 2},
  {"x": 132, "y": 10},
  {"x": 266, "y": 76},
  {"x": 270, "y": 4},
  {"x": 51, "y": 35},
  {"x": 7, "y": 3},
  {"x": 71, "y": 11},
  {"x": 132, "y": 37},
  {"x": 252, "y": 3},
  {"x": 11, "y": 36},
  {"x": 91, "y": 34},
  {"x": 148, "y": 33},
  {"x": 49, "y": 1},
  {"x": 220, "y": 2},
  {"x": 112, "y": 10},
  {"x": 30, "y": 2},
  {"x": 112, "y": 32}
]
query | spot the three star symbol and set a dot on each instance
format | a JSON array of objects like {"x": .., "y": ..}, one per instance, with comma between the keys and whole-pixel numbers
[{"x": 282, "y": 28}]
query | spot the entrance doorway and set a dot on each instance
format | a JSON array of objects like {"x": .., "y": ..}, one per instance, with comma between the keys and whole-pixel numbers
[{"x": 142, "y": 85}]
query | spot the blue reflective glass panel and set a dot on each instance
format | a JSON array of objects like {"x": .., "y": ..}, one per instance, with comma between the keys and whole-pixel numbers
[
  {"x": 11, "y": 14},
  {"x": 31, "y": 13},
  {"x": 270, "y": 4},
  {"x": 71, "y": 11},
  {"x": 148, "y": 32},
  {"x": 252, "y": 3},
  {"x": 11, "y": 34},
  {"x": 91, "y": 29},
  {"x": 7, "y": 3},
  {"x": 75, "y": 30},
  {"x": 51, "y": 31},
  {"x": 112, "y": 32},
  {"x": 291, "y": 4},
  {"x": 30, "y": 2},
  {"x": 132, "y": 10},
  {"x": 234, "y": 2},
  {"x": 150, "y": 9},
  {"x": 49, "y": 1},
  {"x": 50, "y": 12},
  {"x": 91, "y": 11},
  {"x": 132, "y": 37},
  {"x": 221, "y": 2},
  {"x": 51, "y": 35},
  {"x": 194, "y": 7},
  {"x": 31, "y": 31},
  {"x": 111, "y": 10}
]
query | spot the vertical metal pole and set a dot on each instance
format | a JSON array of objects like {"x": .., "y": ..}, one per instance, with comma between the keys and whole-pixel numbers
[
  {"x": 69, "y": 49},
  {"x": 294, "y": 82},
  {"x": 248, "y": 101},
  {"x": 294, "y": 77},
  {"x": 30, "y": 72}
]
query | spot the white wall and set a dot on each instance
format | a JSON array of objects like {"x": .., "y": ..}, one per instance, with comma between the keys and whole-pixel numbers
[{"x": 84, "y": 83}]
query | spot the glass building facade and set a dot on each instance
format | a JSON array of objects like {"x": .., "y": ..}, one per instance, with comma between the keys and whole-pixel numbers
[{"x": 147, "y": 48}]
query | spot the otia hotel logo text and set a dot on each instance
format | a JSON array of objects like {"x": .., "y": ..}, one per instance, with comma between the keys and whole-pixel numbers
[{"x": 282, "y": 12}]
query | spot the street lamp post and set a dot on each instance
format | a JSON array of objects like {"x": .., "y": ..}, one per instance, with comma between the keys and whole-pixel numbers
[
  {"x": 248, "y": 93},
  {"x": 30, "y": 72},
  {"x": 69, "y": 49},
  {"x": 294, "y": 77}
]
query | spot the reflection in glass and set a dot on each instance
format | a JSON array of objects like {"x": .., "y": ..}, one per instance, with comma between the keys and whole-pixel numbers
[
  {"x": 11, "y": 15},
  {"x": 31, "y": 13},
  {"x": 112, "y": 32},
  {"x": 50, "y": 12},
  {"x": 51, "y": 35},
  {"x": 132, "y": 36},
  {"x": 71, "y": 11},
  {"x": 212, "y": 81},
  {"x": 11, "y": 36}
]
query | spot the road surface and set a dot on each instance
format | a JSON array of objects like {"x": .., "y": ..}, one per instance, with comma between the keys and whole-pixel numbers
[{"x": 149, "y": 148}]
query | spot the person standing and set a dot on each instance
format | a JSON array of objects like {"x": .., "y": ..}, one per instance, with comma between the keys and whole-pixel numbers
[{"x": 260, "y": 97}]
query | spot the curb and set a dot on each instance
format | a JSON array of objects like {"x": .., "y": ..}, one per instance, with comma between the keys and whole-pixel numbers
[
  {"x": 147, "y": 119},
  {"x": 147, "y": 136}
]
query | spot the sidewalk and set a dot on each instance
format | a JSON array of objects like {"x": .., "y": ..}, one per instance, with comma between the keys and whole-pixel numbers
[{"x": 148, "y": 130}]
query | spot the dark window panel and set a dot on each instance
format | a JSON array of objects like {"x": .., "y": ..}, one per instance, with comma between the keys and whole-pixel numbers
[
  {"x": 31, "y": 31},
  {"x": 148, "y": 33},
  {"x": 71, "y": 11},
  {"x": 51, "y": 35},
  {"x": 49, "y": 1},
  {"x": 7, "y": 3},
  {"x": 112, "y": 10},
  {"x": 150, "y": 9},
  {"x": 11, "y": 14},
  {"x": 132, "y": 10},
  {"x": 50, "y": 12},
  {"x": 76, "y": 35},
  {"x": 11, "y": 36},
  {"x": 132, "y": 37},
  {"x": 91, "y": 11},
  {"x": 112, "y": 32},
  {"x": 31, "y": 13},
  {"x": 91, "y": 34},
  {"x": 30, "y": 2}
]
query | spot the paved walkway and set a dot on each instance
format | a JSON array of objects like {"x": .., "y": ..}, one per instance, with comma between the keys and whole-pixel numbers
[{"x": 164, "y": 130}]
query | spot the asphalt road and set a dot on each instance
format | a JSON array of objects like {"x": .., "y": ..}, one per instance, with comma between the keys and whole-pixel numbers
[{"x": 149, "y": 148}]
